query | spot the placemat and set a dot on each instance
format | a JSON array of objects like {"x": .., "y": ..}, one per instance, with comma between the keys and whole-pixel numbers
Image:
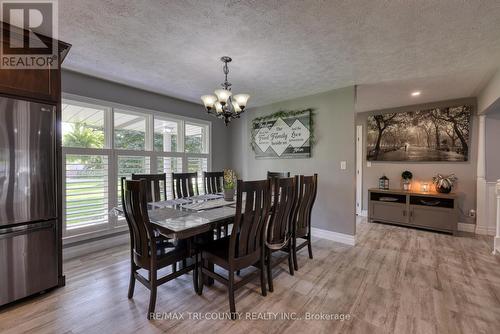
[
  {"x": 171, "y": 202},
  {"x": 216, "y": 203}
]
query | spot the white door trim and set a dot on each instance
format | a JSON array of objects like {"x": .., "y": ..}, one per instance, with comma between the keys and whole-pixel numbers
[{"x": 359, "y": 169}]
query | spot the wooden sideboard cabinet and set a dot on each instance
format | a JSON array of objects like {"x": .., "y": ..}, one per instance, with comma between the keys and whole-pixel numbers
[{"x": 429, "y": 210}]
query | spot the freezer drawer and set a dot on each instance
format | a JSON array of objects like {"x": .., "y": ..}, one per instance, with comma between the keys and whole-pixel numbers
[{"x": 28, "y": 260}]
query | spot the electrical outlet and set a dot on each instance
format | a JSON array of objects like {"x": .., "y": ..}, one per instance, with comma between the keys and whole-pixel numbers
[{"x": 472, "y": 213}]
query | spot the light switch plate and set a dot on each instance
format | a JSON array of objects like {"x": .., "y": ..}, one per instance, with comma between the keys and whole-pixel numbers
[
  {"x": 368, "y": 164},
  {"x": 343, "y": 165}
]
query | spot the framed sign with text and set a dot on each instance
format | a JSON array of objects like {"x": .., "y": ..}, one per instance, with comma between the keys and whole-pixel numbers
[{"x": 283, "y": 135}]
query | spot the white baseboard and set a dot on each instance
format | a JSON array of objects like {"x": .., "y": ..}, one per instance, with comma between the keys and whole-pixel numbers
[
  {"x": 464, "y": 227},
  {"x": 85, "y": 248},
  {"x": 334, "y": 236},
  {"x": 485, "y": 230}
]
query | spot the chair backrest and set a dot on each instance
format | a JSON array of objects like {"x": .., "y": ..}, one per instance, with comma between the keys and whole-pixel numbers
[
  {"x": 308, "y": 186},
  {"x": 284, "y": 199},
  {"x": 153, "y": 186},
  {"x": 279, "y": 175},
  {"x": 250, "y": 220},
  {"x": 213, "y": 182},
  {"x": 185, "y": 184},
  {"x": 135, "y": 208}
]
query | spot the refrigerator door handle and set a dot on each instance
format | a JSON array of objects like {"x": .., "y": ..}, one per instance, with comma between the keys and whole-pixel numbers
[{"x": 16, "y": 231}]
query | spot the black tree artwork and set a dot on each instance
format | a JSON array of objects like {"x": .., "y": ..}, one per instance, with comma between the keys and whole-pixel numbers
[{"x": 440, "y": 134}]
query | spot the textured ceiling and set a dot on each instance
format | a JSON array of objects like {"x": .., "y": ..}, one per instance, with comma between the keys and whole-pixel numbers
[{"x": 286, "y": 49}]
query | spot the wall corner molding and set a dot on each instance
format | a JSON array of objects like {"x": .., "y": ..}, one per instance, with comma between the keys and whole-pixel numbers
[
  {"x": 485, "y": 230},
  {"x": 364, "y": 213},
  {"x": 334, "y": 236}
]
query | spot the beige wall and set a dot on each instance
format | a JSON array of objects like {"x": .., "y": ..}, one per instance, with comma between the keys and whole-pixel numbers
[
  {"x": 335, "y": 137},
  {"x": 422, "y": 171}
]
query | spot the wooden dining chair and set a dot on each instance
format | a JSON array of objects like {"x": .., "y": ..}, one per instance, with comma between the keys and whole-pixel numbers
[
  {"x": 154, "y": 185},
  {"x": 185, "y": 184},
  {"x": 213, "y": 182},
  {"x": 244, "y": 247},
  {"x": 301, "y": 225},
  {"x": 148, "y": 250},
  {"x": 273, "y": 175},
  {"x": 279, "y": 228}
]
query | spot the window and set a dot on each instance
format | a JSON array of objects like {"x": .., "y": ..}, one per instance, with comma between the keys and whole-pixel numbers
[
  {"x": 128, "y": 165},
  {"x": 130, "y": 131},
  {"x": 195, "y": 138},
  {"x": 83, "y": 126},
  {"x": 199, "y": 165},
  {"x": 166, "y": 136},
  {"x": 168, "y": 166},
  {"x": 102, "y": 143},
  {"x": 86, "y": 190}
]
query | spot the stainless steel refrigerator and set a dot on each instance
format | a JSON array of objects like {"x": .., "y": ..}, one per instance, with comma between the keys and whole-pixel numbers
[{"x": 28, "y": 209}]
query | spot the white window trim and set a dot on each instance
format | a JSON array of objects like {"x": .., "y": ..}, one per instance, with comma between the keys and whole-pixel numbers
[{"x": 110, "y": 107}]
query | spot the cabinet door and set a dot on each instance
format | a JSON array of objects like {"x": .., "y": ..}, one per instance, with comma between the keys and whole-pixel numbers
[
  {"x": 36, "y": 84},
  {"x": 435, "y": 218},
  {"x": 390, "y": 212}
]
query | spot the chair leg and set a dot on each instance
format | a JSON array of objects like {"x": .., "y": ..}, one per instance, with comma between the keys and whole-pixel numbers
[
  {"x": 152, "y": 298},
  {"x": 184, "y": 264},
  {"x": 131, "y": 285},
  {"x": 309, "y": 246},
  {"x": 201, "y": 279},
  {"x": 269, "y": 271},
  {"x": 263, "y": 272},
  {"x": 291, "y": 263},
  {"x": 232, "y": 305},
  {"x": 195, "y": 274},
  {"x": 174, "y": 267},
  {"x": 294, "y": 251}
]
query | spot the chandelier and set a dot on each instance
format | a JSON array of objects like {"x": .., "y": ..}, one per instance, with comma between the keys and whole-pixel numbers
[{"x": 224, "y": 104}]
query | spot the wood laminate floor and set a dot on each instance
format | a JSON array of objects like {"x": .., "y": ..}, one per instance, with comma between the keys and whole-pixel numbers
[{"x": 395, "y": 280}]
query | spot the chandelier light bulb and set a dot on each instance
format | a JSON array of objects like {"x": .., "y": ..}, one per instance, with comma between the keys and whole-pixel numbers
[
  {"x": 218, "y": 107},
  {"x": 223, "y": 95},
  {"x": 242, "y": 100},
  {"x": 209, "y": 101},
  {"x": 236, "y": 107}
]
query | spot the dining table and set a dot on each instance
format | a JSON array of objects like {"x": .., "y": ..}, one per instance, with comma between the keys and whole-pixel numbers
[{"x": 201, "y": 217}]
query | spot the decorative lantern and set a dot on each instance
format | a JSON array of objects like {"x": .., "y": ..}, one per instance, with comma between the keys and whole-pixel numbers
[
  {"x": 424, "y": 187},
  {"x": 383, "y": 183}
]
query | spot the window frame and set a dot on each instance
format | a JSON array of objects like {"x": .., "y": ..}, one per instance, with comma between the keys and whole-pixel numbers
[{"x": 114, "y": 223}]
